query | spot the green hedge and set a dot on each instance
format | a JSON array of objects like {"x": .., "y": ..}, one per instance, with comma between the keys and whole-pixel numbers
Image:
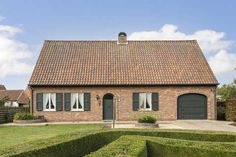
[
  {"x": 81, "y": 144},
  {"x": 143, "y": 146},
  {"x": 124, "y": 146},
  {"x": 230, "y": 110}
]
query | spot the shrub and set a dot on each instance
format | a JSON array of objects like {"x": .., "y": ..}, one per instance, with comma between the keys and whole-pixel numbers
[
  {"x": 24, "y": 116},
  {"x": 143, "y": 146},
  {"x": 230, "y": 111},
  {"x": 76, "y": 145},
  {"x": 147, "y": 119}
]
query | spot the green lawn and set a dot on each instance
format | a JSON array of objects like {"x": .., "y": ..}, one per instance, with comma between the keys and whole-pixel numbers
[
  {"x": 79, "y": 140},
  {"x": 16, "y": 135}
]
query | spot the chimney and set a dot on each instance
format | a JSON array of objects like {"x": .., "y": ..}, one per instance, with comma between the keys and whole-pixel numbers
[{"x": 122, "y": 38}]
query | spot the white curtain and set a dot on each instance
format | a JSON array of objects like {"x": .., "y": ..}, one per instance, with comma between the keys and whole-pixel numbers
[
  {"x": 45, "y": 100},
  {"x": 142, "y": 100},
  {"x": 81, "y": 100},
  {"x": 149, "y": 100},
  {"x": 53, "y": 101},
  {"x": 74, "y": 100}
]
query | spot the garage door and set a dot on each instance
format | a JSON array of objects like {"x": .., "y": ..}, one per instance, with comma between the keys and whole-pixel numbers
[{"x": 192, "y": 106}]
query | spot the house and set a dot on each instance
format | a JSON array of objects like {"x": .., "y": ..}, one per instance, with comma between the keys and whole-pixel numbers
[
  {"x": 122, "y": 79},
  {"x": 15, "y": 98}
]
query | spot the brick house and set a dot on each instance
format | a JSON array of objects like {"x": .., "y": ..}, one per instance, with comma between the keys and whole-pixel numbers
[
  {"x": 99, "y": 80},
  {"x": 15, "y": 98}
]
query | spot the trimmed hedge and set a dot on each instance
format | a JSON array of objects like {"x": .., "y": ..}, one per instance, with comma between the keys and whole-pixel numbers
[
  {"x": 162, "y": 148},
  {"x": 77, "y": 144},
  {"x": 124, "y": 146},
  {"x": 143, "y": 146},
  {"x": 230, "y": 110}
]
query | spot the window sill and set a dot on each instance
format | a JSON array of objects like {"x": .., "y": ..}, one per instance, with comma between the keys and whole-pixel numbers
[
  {"x": 77, "y": 110},
  {"x": 145, "y": 110}
]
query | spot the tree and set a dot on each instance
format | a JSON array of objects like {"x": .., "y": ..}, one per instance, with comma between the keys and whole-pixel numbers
[
  {"x": 3, "y": 100},
  {"x": 227, "y": 91}
]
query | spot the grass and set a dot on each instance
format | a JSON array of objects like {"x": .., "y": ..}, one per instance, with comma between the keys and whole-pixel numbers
[
  {"x": 15, "y": 135},
  {"x": 54, "y": 140}
]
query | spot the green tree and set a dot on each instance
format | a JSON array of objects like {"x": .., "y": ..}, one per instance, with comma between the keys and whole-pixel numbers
[
  {"x": 3, "y": 100},
  {"x": 227, "y": 91}
]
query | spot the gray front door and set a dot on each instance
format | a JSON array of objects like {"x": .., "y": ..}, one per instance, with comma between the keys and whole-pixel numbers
[
  {"x": 107, "y": 109},
  {"x": 192, "y": 106}
]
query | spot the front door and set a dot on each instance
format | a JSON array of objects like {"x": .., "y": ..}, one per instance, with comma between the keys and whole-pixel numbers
[{"x": 108, "y": 107}]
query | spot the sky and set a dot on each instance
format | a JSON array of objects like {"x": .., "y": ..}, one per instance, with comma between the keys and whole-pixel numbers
[{"x": 25, "y": 24}]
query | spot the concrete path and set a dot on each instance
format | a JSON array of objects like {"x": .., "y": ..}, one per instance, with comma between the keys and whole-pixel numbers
[{"x": 210, "y": 125}]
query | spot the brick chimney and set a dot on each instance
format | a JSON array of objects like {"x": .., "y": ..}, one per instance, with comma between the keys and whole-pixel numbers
[{"x": 122, "y": 38}]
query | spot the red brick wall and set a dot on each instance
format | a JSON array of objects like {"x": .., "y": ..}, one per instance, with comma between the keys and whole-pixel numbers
[{"x": 167, "y": 102}]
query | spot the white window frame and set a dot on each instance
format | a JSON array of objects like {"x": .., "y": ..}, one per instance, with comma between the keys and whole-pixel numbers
[
  {"x": 77, "y": 102},
  {"x": 49, "y": 97},
  {"x": 144, "y": 100}
]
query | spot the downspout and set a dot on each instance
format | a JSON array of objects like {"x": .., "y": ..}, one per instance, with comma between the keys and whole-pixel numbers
[{"x": 31, "y": 100}]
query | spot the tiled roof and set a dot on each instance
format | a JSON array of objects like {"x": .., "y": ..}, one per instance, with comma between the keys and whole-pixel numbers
[
  {"x": 108, "y": 63},
  {"x": 2, "y": 87},
  {"x": 13, "y": 95}
]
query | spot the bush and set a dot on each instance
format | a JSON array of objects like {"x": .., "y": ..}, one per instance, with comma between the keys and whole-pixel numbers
[
  {"x": 75, "y": 145},
  {"x": 143, "y": 146},
  {"x": 147, "y": 119},
  {"x": 230, "y": 111},
  {"x": 24, "y": 116}
]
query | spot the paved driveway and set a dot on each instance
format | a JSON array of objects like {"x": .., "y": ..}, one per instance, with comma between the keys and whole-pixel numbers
[{"x": 210, "y": 125}]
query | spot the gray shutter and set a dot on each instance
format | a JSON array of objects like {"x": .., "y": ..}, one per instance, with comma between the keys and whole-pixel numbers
[
  {"x": 39, "y": 101},
  {"x": 59, "y": 101},
  {"x": 87, "y": 103},
  {"x": 67, "y": 101},
  {"x": 135, "y": 101},
  {"x": 155, "y": 101}
]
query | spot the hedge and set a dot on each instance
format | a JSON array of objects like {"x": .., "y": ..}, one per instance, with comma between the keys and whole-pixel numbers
[
  {"x": 143, "y": 146},
  {"x": 78, "y": 144},
  {"x": 180, "y": 148},
  {"x": 230, "y": 110}
]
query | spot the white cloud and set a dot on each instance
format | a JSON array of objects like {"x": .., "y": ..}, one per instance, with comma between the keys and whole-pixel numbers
[
  {"x": 212, "y": 43},
  {"x": 223, "y": 62},
  {"x": 209, "y": 40},
  {"x": 13, "y": 53}
]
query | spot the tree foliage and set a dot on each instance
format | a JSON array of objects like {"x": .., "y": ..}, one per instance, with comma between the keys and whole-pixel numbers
[
  {"x": 3, "y": 100},
  {"x": 227, "y": 91}
]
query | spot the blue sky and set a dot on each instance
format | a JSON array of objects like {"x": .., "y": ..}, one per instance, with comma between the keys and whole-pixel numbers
[{"x": 28, "y": 23}]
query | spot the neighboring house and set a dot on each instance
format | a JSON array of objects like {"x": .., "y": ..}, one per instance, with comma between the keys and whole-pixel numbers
[
  {"x": 15, "y": 98},
  {"x": 99, "y": 80},
  {"x": 2, "y": 87}
]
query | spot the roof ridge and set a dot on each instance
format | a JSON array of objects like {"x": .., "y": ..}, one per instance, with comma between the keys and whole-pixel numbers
[{"x": 113, "y": 40}]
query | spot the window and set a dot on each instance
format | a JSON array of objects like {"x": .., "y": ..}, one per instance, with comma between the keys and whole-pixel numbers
[
  {"x": 49, "y": 101},
  {"x": 145, "y": 101},
  {"x": 77, "y": 101}
]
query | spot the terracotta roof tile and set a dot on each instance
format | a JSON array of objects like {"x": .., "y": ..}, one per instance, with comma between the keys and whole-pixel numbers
[
  {"x": 109, "y": 63},
  {"x": 13, "y": 95}
]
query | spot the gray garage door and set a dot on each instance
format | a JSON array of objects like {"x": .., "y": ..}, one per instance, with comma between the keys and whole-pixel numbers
[{"x": 192, "y": 106}]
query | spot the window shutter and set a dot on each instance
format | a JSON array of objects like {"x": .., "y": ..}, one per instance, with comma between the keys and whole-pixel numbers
[
  {"x": 155, "y": 101},
  {"x": 87, "y": 103},
  {"x": 59, "y": 101},
  {"x": 67, "y": 101},
  {"x": 39, "y": 101},
  {"x": 135, "y": 101}
]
